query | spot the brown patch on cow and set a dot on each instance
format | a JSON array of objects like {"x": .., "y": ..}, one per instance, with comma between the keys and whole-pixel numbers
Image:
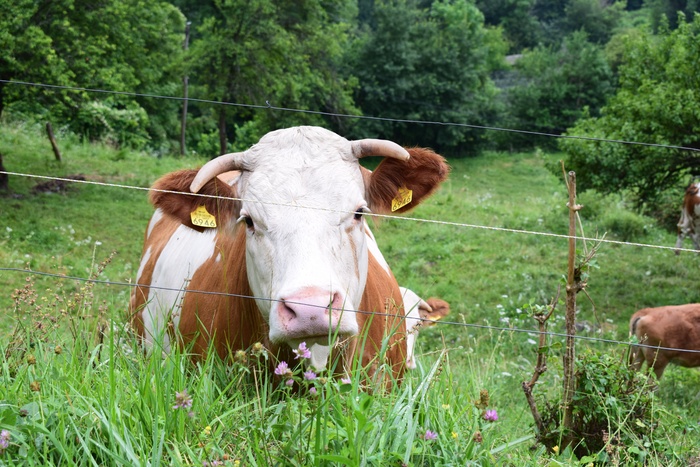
[
  {"x": 422, "y": 173},
  {"x": 181, "y": 205},
  {"x": 672, "y": 327},
  {"x": 229, "y": 320},
  {"x": 381, "y": 315}
]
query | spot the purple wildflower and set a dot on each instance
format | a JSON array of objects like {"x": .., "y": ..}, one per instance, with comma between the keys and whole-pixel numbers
[
  {"x": 4, "y": 440},
  {"x": 282, "y": 369},
  {"x": 491, "y": 416},
  {"x": 313, "y": 391},
  {"x": 345, "y": 380},
  {"x": 309, "y": 375},
  {"x": 429, "y": 435},
  {"x": 182, "y": 400},
  {"x": 302, "y": 351},
  {"x": 289, "y": 382}
]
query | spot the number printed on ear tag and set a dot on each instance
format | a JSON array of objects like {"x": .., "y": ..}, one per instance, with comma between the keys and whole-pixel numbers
[
  {"x": 403, "y": 197},
  {"x": 202, "y": 218}
]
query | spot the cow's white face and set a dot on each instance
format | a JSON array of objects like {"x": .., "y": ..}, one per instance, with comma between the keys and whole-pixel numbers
[{"x": 302, "y": 260}]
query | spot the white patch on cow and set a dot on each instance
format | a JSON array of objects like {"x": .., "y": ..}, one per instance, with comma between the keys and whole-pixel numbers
[
  {"x": 411, "y": 303},
  {"x": 155, "y": 218},
  {"x": 144, "y": 262},
  {"x": 374, "y": 249},
  {"x": 182, "y": 256}
]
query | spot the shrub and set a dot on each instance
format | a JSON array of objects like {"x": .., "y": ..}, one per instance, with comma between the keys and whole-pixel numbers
[{"x": 614, "y": 416}]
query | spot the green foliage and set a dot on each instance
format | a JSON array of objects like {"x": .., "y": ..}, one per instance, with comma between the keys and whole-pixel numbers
[
  {"x": 520, "y": 29},
  {"x": 426, "y": 64},
  {"x": 598, "y": 19},
  {"x": 284, "y": 53},
  {"x": 486, "y": 274},
  {"x": 557, "y": 86},
  {"x": 614, "y": 417},
  {"x": 656, "y": 103},
  {"x": 113, "y": 45}
]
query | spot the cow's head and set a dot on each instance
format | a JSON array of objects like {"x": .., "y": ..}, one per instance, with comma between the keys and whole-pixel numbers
[{"x": 303, "y": 196}]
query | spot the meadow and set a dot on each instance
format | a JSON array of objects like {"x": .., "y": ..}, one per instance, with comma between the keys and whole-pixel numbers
[{"x": 76, "y": 390}]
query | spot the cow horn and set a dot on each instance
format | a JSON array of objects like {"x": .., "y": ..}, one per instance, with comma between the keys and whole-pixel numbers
[
  {"x": 379, "y": 147},
  {"x": 214, "y": 167}
]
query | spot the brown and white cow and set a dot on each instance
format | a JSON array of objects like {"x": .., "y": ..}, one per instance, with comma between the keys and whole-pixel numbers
[
  {"x": 673, "y": 329},
  {"x": 689, "y": 223},
  {"x": 420, "y": 314},
  {"x": 295, "y": 240}
]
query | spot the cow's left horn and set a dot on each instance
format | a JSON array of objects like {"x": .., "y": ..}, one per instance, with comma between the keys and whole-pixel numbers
[
  {"x": 379, "y": 147},
  {"x": 214, "y": 167}
]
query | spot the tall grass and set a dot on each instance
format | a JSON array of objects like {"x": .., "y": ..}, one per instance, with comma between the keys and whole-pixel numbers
[{"x": 77, "y": 390}]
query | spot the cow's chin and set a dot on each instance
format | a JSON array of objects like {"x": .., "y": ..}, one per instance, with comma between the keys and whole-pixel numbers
[{"x": 319, "y": 348}]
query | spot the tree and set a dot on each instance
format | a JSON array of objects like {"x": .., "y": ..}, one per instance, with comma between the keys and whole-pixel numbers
[
  {"x": 555, "y": 87},
  {"x": 521, "y": 29},
  {"x": 597, "y": 18},
  {"x": 282, "y": 52},
  {"x": 657, "y": 103},
  {"x": 430, "y": 64},
  {"x": 111, "y": 45}
]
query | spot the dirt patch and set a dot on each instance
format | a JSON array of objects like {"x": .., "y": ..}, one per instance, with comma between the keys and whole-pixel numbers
[{"x": 57, "y": 186}]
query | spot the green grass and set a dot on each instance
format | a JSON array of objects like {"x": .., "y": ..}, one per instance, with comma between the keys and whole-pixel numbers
[{"x": 106, "y": 404}]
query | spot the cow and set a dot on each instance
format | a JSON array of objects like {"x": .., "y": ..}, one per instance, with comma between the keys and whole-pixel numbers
[
  {"x": 279, "y": 252},
  {"x": 419, "y": 314},
  {"x": 689, "y": 223},
  {"x": 670, "y": 334}
]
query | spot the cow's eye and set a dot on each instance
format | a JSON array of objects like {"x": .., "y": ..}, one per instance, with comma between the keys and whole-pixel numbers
[
  {"x": 248, "y": 221},
  {"x": 359, "y": 213}
]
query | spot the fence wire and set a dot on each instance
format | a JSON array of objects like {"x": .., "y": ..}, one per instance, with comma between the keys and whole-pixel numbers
[{"x": 269, "y": 106}]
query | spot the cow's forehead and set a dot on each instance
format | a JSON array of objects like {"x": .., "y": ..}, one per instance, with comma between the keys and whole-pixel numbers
[{"x": 296, "y": 167}]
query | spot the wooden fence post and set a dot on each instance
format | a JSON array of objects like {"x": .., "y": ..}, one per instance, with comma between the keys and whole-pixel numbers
[
  {"x": 56, "y": 152},
  {"x": 572, "y": 288}
]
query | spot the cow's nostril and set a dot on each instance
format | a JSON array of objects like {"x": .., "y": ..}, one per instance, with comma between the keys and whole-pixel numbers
[{"x": 286, "y": 312}]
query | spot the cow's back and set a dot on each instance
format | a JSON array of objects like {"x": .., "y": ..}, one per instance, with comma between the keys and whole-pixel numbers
[{"x": 670, "y": 327}]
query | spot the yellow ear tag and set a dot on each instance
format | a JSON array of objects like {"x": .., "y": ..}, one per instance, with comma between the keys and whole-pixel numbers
[
  {"x": 202, "y": 218},
  {"x": 403, "y": 197}
]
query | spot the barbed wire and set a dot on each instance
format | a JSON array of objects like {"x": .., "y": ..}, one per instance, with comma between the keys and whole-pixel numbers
[
  {"x": 441, "y": 322},
  {"x": 340, "y": 115},
  {"x": 370, "y": 214}
]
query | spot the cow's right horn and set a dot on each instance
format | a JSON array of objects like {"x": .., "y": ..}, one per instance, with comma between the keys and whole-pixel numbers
[
  {"x": 219, "y": 165},
  {"x": 379, "y": 147}
]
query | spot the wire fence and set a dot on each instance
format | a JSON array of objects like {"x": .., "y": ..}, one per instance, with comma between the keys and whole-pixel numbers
[{"x": 442, "y": 322}]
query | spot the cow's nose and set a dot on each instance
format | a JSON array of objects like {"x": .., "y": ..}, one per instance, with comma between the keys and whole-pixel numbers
[{"x": 310, "y": 312}]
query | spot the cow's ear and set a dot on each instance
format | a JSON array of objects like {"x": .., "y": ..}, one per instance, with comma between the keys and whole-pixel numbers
[
  {"x": 436, "y": 310},
  {"x": 214, "y": 209},
  {"x": 399, "y": 186}
]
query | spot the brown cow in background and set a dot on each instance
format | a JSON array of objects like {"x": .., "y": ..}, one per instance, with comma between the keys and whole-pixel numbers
[
  {"x": 675, "y": 329},
  {"x": 689, "y": 223}
]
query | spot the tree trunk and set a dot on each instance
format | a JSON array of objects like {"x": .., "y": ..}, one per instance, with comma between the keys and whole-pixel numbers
[
  {"x": 4, "y": 185},
  {"x": 222, "y": 131},
  {"x": 54, "y": 146}
]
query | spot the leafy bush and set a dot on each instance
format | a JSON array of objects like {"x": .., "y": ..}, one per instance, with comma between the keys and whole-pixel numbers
[
  {"x": 614, "y": 416},
  {"x": 101, "y": 121}
]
